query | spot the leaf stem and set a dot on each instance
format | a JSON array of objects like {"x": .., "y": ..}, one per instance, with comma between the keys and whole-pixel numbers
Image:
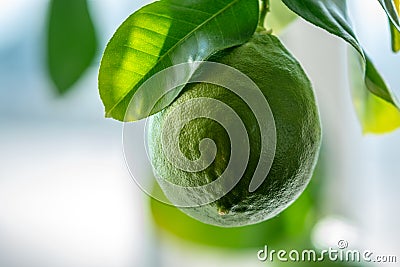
[{"x": 265, "y": 8}]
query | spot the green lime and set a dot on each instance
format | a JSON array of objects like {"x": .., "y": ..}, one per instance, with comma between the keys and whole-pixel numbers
[{"x": 284, "y": 84}]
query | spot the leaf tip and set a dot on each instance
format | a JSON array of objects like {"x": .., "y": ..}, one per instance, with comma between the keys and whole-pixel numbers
[{"x": 107, "y": 115}]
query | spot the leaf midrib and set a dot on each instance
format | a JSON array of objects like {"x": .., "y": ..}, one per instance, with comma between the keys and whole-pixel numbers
[{"x": 169, "y": 50}]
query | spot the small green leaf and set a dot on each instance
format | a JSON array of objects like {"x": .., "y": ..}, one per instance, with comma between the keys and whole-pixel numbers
[
  {"x": 280, "y": 17},
  {"x": 71, "y": 42},
  {"x": 395, "y": 32},
  {"x": 166, "y": 33},
  {"x": 331, "y": 15},
  {"x": 391, "y": 8},
  {"x": 376, "y": 115}
]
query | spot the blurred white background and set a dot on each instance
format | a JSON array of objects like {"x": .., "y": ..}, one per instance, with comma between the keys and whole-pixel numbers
[{"x": 66, "y": 197}]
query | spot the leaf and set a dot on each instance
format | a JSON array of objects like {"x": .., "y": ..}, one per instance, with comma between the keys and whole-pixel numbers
[
  {"x": 280, "y": 17},
  {"x": 376, "y": 115},
  {"x": 332, "y": 16},
  {"x": 395, "y": 33},
  {"x": 163, "y": 34},
  {"x": 395, "y": 38},
  {"x": 391, "y": 8},
  {"x": 71, "y": 42}
]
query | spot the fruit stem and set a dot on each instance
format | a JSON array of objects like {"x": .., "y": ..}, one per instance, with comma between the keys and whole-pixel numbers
[{"x": 265, "y": 8}]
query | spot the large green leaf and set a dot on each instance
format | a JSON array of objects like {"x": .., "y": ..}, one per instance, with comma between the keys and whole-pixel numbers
[
  {"x": 166, "y": 33},
  {"x": 332, "y": 16},
  {"x": 71, "y": 40},
  {"x": 395, "y": 32}
]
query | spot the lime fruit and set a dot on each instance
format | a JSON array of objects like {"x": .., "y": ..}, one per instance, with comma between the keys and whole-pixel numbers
[{"x": 285, "y": 85}]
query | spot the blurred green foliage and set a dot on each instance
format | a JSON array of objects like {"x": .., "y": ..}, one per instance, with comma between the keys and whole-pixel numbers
[
  {"x": 71, "y": 42},
  {"x": 289, "y": 230},
  {"x": 280, "y": 17},
  {"x": 376, "y": 115},
  {"x": 292, "y": 228}
]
